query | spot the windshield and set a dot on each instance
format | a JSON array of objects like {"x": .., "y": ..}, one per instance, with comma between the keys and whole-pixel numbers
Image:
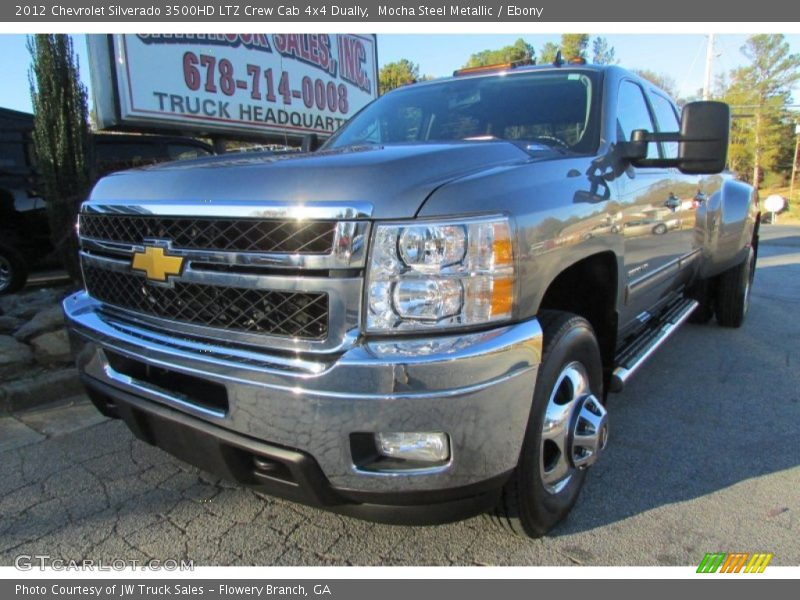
[{"x": 541, "y": 109}]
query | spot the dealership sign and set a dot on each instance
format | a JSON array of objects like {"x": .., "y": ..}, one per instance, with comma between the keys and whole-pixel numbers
[{"x": 274, "y": 84}]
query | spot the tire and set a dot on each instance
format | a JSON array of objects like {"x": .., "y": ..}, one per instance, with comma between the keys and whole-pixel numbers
[
  {"x": 535, "y": 500},
  {"x": 13, "y": 270},
  {"x": 660, "y": 229},
  {"x": 733, "y": 293},
  {"x": 704, "y": 292}
]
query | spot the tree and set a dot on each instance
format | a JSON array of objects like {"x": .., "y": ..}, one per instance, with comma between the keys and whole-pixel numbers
[
  {"x": 784, "y": 148},
  {"x": 665, "y": 82},
  {"x": 519, "y": 50},
  {"x": 603, "y": 53},
  {"x": 547, "y": 53},
  {"x": 573, "y": 46},
  {"x": 396, "y": 74},
  {"x": 61, "y": 138},
  {"x": 762, "y": 89}
]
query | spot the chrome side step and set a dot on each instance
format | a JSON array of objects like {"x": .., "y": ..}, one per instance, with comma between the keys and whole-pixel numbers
[{"x": 633, "y": 356}]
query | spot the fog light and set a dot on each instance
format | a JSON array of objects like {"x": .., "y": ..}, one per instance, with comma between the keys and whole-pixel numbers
[{"x": 421, "y": 446}]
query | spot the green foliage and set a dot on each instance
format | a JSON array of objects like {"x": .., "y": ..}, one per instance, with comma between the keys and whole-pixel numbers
[
  {"x": 398, "y": 73},
  {"x": 785, "y": 146},
  {"x": 519, "y": 50},
  {"x": 61, "y": 137},
  {"x": 574, "y": 45},
  {"x": 603, "y": 53},
  {"x": 547, "y": 53},
  {"x": 759, "y": 93}
]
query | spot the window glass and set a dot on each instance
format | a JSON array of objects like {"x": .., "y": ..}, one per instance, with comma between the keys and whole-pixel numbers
[
  {"x": 184, "y": 151},
  {"x": 632, "y": 114},
  {"x": 667, "y": 122},
  {"x": 552, "y": 108},
  {"x": 12, "y": 149}
]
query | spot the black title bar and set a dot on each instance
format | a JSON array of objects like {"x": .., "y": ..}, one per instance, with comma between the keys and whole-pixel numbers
[{"x": 371, "y": 11}]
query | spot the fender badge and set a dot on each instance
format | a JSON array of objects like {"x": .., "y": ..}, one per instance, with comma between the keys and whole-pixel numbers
[{"x": 640, "y": 269}]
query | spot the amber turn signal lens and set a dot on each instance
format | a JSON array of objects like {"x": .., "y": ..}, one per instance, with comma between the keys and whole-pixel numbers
[
  {"x": 501, "y": 248},
  {"x": 502, "y": 296}
]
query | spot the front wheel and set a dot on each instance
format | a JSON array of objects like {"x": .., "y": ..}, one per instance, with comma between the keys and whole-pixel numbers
[
  {"x": 733, "y": 292},
  {"x": 13, "y": 270},
  {"x": 567, "y": 429}
]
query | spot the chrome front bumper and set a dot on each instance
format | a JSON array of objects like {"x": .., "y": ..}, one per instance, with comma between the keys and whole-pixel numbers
[{"x": 476, "y": 387}]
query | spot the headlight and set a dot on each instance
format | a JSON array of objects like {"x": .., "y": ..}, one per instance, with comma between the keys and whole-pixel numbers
[{"x": 436, "y": 274}]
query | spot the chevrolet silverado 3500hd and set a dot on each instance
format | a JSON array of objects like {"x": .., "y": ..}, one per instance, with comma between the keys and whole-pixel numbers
[{"x": 422, "y": 320}]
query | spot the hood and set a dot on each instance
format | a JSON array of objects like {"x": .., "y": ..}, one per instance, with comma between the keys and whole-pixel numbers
[{"x": 395, "y": 180}]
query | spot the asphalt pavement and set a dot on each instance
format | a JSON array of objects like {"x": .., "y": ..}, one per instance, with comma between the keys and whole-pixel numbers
[{"x": 704, "y": 456}]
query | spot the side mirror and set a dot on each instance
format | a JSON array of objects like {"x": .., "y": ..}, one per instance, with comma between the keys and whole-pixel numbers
[
  {"x": 703, "y": 147},
  {"x": 702, "y": 141}
]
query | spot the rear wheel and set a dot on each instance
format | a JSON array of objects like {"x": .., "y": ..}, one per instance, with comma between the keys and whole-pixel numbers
[
  {"x": 703, "y": 291},
  {"x": 733, "y": 293},
  {"x": 567, "y": 429}
]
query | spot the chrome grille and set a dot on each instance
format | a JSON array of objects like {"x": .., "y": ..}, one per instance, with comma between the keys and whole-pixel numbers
[
  {"x": 219, "y": 233},
  {"x": 302, "y": 315}
]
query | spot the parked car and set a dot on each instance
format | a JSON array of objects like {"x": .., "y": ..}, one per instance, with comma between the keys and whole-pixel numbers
[
  {"x": 650, "y": 226},
  {"x": 415, "y": 323},
  {"x": 118, "y": 151},
  {"x": 24, "y": 229},
  {"x": 24, "y": 234}
]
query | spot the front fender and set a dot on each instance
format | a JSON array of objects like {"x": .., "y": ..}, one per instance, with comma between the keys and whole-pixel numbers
[{"x": 726, "y": 223}]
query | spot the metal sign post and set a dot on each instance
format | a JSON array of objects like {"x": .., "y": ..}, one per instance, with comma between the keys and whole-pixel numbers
[{"x": 794, "y": 160}]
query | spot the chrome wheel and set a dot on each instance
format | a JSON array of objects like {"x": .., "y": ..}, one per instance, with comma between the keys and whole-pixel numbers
[
  {"x": 6, "y": 273},
  {"x": 574, "y": 431}
]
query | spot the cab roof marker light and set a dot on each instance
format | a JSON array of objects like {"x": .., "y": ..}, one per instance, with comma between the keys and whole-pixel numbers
[{"x": 525, "y": 62}]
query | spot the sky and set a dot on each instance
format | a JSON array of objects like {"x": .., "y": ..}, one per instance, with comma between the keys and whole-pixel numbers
[{"x": 681, "y": 56}]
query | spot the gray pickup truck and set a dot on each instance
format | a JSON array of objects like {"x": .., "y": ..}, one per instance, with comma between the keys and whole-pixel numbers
[{"x": 422, "y": 320}]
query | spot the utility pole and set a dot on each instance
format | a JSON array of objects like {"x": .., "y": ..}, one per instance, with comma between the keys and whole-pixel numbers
[
  {"x": 794, "y": 160},
  {"x": 709, "y": 67}
]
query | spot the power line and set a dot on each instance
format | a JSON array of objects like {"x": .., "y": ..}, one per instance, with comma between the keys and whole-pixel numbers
[{"x": 761, "y": 105}]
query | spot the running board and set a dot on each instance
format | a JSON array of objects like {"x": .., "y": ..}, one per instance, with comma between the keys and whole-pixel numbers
[{"x": 633, "y": 355}]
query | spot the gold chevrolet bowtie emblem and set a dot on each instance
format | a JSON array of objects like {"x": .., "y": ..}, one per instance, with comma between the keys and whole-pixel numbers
[{"x": 156, "y": 265}]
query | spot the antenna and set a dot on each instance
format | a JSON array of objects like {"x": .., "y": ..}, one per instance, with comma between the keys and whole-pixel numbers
[{"x": 558, "y": 61}]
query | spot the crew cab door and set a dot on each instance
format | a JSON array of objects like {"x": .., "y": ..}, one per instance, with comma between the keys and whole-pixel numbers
[
  {"x": 655, "y": 217},
  {"x": 686, "y": 192}
]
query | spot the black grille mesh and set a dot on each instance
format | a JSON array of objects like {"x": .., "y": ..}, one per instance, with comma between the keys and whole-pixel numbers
[
  {"x": 226, "y": 234},
  {"x": 291, "y": 314}
]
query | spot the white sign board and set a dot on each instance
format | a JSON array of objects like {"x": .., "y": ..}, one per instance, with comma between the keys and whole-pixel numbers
[
  {"x": 225, "y": 83},
  {"x": 774, "y": 203}
]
